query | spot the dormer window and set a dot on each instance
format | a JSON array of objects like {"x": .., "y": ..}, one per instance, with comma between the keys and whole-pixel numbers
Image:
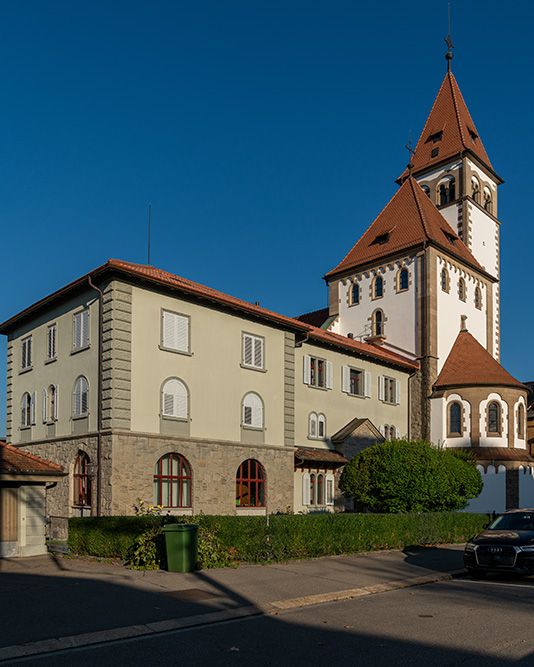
[
  {"x": 473, "y": 135},
  {"x": 451, "y": 238},
  {"x": 435, "y": 152},
  {"x": 435, "y": 137},
  {"x": 381, "y": 239}
]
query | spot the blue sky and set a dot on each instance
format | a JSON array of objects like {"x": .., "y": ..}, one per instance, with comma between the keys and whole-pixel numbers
[{"x": 266, "y": 135}]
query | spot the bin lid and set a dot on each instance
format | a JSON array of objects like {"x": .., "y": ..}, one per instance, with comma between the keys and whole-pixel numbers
[{"x": 179, "y": 527}]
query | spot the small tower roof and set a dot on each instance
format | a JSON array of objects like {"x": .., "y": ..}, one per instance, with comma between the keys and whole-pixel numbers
[
  {"x": 449, "y": 131},
  {"x": 470, "y": 364},
  {"x": 408, "y": 220}
]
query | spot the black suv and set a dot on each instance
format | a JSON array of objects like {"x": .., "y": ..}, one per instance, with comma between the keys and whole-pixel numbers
[{"x": 505, "y": 545}]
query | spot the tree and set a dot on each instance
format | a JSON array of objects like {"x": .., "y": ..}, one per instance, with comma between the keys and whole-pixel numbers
[{"x": 405, "y": 476}]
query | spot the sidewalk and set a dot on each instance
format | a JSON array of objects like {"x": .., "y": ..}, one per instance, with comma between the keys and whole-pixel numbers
[{"x": 50, "y": 603}]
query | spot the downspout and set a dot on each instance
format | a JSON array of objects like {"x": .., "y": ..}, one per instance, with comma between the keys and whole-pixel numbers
[{"x": 99, "y": 399}]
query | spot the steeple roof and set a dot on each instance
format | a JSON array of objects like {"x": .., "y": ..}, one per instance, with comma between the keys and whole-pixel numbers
[
  {"x": 409, "y": 220},
  {"x": 448, "y": 131},
  {"x": 470, "y": 364}
]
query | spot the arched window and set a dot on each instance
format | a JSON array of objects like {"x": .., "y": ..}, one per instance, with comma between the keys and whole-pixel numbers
[
  {"x": 250, "y": 484},
  {"x": 312, "y": 425},
  {"x": 26, "y": 410},
  {"x": 355, "y": 294},
  {"x": 378, "y": 287},
  {"x": 391, "y": 435},
  {"x": 378, "y": 323},
  {"x": 520, "y": 421},
  {"x": 172, "y": 481},
  {"x": 494, "y": 418},
  {"x": 478, "y": 298},
  {"x": 447, "y": 192},
  {"x": 461, "y": 289},
  {"x": 174, "y": 399},
  {"x": 82, "y": 481},
  {"x": 51, "y": 403},
  {"x": 487, "y": 200},
  {"x": 80, "y": 404},
  {"x": 455, "y": 419},
  {"x": 475, "y": 189},
  {"x": 321, "y": 426},
  {"x": 444, "y": 280},
  {"x": 252, "y": 411},
  {"x": 312, "y": 489},
  {"x": 403, "y": 280},
  {"x": 320, "y": 489}
]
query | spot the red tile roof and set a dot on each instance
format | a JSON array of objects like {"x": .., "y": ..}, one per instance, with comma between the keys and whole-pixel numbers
[
  {"x": 409, "y": 219},
  {"x": 322, "y": 455},
  {"x": 499, "y": 453},
  {"x": 15, "y": 460},
  {"x": 317, "y": 317},
  {"x": 470, "y": 364},
  {"x": 165, "y": 278},
  {"x": 450, "y": 117}
]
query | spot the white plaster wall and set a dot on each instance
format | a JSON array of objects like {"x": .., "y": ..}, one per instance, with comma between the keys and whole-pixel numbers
[
  {"x": 496, "y": 319},
  {"x": 526, "y": 488},
  {"x": 520, "y": 443},
  {"x": 399, "y": 308},
  {"x": 450, "y": 308},
  {"x": 484, "y": 235},
  {"x": 485, "y": 440},
  {"x": 483, "y": 178},
  {"x": 450, "y": 213},
  {"x": 493, "y": 495},
  {"x": 438, "y": 421}
]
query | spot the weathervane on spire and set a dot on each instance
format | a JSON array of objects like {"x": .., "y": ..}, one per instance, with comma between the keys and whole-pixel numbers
[
  {"x": 410, "y": 150},
  {"x": 449, "y": 56}
]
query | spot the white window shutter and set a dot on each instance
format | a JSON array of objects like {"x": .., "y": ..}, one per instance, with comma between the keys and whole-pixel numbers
[
  {"x": 312, "y": 430},
  {"x": 32, "y": 409},
  {"x": 247, "y": 350},
  {"x": 345, "y": 379},
  {"x": 330, "y": 489},
  {"x": 367, "y": 384},
  {"x": 180, "y": 406},
  {"x": 45, "y": 400},
  {"x": 381, "y": 387},
  {"x": 168, "y": 404},
  {"x": 77, "y": 330},
  {"x": 168, "y": 329},
  {"x": 397, "y": 434},
  {"x": 56, "y": 401},
  {"x": 85, "y": 328},
  {"x": 329, "y": 375},
  {"x": 257, "y": 413},
  {"x": 182, "y": 333},
  {"x": 321, "y": 426},
  {"x": 307, "y": 369},
  {"x": 306, "y": 489},
  {"x": 258, "y": 353},
  {"x": 382, "y": 430},
  {"x": 397, "y": 392}
]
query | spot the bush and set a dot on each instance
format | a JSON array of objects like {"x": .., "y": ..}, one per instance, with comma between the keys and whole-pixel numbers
[
  {"x": 228, "y": 540},
  {"x": 404, "y": 476}
]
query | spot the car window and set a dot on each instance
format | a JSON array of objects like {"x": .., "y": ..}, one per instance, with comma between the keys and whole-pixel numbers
[{"x": 516, "y": 521}]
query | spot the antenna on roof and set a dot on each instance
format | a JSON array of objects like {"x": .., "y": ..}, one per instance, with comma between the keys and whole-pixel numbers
[
  {"x": 408, "y": 146},
  {"x": 449, "y": 55},
  {"x": 149, "y": 207}
]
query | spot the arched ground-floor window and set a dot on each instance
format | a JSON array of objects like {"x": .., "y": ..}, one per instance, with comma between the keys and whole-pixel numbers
[
  {"x": 172, "y": 481},
  {"x": 250, "y": 484},
  {"x": 82, "y": 481}
]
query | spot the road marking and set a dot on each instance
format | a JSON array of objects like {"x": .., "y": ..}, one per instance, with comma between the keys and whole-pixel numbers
[{"x": 493, "y": 583}]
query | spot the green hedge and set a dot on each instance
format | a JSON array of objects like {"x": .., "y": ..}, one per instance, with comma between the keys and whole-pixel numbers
[{"x": 253, "y": 539}]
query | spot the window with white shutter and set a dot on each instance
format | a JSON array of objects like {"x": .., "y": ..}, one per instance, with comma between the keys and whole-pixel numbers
[
  {"x": 25, "y": 410},
  {"x": 252, "y": 411},
  {"x": 306, "y": 488},
  {"x": 312, "y": 425},
  {"x": 253, "y": 351},
  {"x": 174, "y": 399},
  {"x": 26, "y": 353},
  {"x": 318, "y": 372},
  {"x": 32, "y": 410},
  {"x": 352, "y": 381},
  {"x": 388, "y": 389},
  {"x": 330, "y": 489},
  {"x": 321, "y": 426},
  {"x": 80, "y": 406},
  {"x": 175, "y": 331},
  {"x": 54, "y": 398},
  {"x": 367, "y": 385},
  {"x": 51, "y": 333},
  {"x": 382, "y": 430},
  {"x": 81, "y": 329},
  {"x": 45, "y": 406}
]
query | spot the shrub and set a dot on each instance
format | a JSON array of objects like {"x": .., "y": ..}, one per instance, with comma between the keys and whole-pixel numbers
[{"x": 404, "y": 476}]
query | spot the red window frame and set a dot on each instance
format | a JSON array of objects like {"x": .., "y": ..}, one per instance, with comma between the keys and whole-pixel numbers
[
  {"x": 320, "y": 489},
  {"x": 250, "y": 484},
  {"x": 82, "y": 481},
  {"x": 172, "y": 480},
  {"x": 312, "y": 489}
]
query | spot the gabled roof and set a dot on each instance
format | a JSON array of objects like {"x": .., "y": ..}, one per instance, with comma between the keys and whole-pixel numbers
[
  {"x": 15, "y": 460},
  {"x": 470, "y": 364},
  {"x": 449, "y": 130},
  {"x": 409, "y": 219},
  {"x": 158, "y": 277},
  {"x": 354, "y": 425}
]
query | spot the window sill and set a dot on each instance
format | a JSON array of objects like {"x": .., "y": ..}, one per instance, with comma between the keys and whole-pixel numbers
[
  {"x": 25, "y": 370},
  {"x": 314, "y": 386},
  {"x": 253, "y": 368},
  {"x": 455, "y": 435},
  {"x": 317, "y": 438},
  {"x": 348, "y": 393},
  {"x": 248, "y": 427},
  {"x": 80, "y": 349},
  {"x": 376, "y": 339},
  {"x": 250, "y": 511},
  {"x": 76, "y": 417},
  {"x": 50, "y": 361},
  {"x": 357, "y": 303},
  {"x": 26, "y": 428},
  {"x": 174, "y": 419},
  {"x": 389, "y": 402},
  {"x": 185, "y": 353}
]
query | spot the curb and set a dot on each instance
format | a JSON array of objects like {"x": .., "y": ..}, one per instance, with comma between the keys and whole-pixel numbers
[{"x": 50, "y": 646}]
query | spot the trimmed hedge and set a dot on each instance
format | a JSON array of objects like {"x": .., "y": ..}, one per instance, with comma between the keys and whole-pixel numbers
[{"x": 253, "y": 539}]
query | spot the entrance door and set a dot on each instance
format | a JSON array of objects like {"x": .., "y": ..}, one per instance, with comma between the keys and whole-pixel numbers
[{"x": 9, "y": 516}]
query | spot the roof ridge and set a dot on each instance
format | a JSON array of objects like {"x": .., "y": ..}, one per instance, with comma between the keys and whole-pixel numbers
[{"x": 419, "y": 206}]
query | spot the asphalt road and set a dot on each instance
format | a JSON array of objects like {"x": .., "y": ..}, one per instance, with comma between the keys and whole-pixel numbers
[{"x": 459, "y": 622}]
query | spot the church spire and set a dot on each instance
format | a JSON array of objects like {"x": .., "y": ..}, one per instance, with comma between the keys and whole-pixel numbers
[{"x": 449, "y": 55}]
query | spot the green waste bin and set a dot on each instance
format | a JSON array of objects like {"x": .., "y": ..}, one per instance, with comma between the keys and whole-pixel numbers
[{"x": 181, "y": 542}]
